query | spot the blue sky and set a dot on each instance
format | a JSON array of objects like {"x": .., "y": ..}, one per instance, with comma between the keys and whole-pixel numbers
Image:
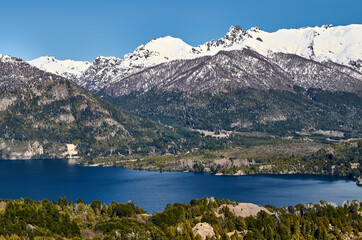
[{"x": 83, "y": 30}]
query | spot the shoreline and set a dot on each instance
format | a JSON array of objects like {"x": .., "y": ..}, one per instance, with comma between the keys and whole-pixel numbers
[
  {"x": 229, "y": 175},
  {"x": 358, "y": 181}
]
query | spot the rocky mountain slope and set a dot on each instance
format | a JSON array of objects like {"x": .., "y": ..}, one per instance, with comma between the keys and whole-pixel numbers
[
  {"x": 239, "y": 69},
  {"x": 241, "y": 90},
  {"x": 341, "y": 44},
  {"x": 46, "y": 115}
]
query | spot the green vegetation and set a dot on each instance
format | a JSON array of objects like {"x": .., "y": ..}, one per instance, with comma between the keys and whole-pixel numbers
[
  {"x": 27, "y": 219},
  {"x": 43, "y": 118},
  {"x": 275, "y": 112},
  {"x": 283, "y": 157}
]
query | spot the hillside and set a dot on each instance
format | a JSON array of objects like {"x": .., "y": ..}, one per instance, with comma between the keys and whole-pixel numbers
[
  {"x": 281, "y": 113},
  {"x": 44, "y": 115},
  {"x": 207, "y": 218}
]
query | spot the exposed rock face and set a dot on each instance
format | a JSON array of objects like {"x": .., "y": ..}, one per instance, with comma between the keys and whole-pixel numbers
[
  {"x": 102, "y": 71},
  {"x": 245, "y": 209},
  {"x": 6, "y": 102},
  {"x": 71, "y": 151},
  {"x": 204, "y": 230},
  {"x": 33, "y": 149}
]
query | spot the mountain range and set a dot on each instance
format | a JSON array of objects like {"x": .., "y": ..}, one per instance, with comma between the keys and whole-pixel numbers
[
  {"x": 307, "y": 79},
  {"x": 290, "y": 83},
  {"x": 341, "y": 45}
]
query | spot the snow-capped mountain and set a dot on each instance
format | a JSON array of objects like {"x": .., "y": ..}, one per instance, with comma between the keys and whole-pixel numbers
[
  {"x": 7, "y": 58},
  {"x": 16, "y": 73},
  {"x": 238, "y": 69},
  {"x": 66, "y": 68},
  {"x": 341, "y": 44},
  {"x": 157, "y": 51}
]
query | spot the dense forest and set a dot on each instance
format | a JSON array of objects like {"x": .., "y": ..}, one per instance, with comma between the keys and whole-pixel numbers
[
  {"x": 207, "y": 218},
  {"x": 276, "y": 112}
]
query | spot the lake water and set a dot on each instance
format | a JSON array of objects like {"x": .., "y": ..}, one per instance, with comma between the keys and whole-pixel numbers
[{"x": 50, "y": 179}]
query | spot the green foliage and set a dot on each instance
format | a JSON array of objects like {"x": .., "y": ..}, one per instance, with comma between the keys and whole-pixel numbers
[
  {"x": 250, "y": 110},
  {"x": 29, "y": 219},
  {"x": 55, "y": 113},
  {"x": 124, "y": 210},
  {"x": 341, "y": 159}
]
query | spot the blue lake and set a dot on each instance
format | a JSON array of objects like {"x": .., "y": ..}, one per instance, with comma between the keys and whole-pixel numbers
[{"x": 152, "y": 191}]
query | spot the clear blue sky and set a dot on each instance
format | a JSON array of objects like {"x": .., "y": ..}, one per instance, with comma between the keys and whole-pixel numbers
[{"x": 83, "y": 30}]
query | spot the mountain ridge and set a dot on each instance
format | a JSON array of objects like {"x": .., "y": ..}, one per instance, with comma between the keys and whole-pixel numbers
[
  {"x": 316, "y": 43},
  {"x": 238, "y": 69}
]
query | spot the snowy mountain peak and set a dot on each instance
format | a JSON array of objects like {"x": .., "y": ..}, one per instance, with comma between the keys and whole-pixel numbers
[
  {"x": 46, "y": 58},
  {"x": 157, "y": 51},
  {"x": 234, "y": 35},
  {"x": 235, "y": 29},
  {"x": 8, "y": 59},
  {"x": 254, "y": 29},
  {"x": 340, "y": 44},
  {"x": 67, "y": 68}
]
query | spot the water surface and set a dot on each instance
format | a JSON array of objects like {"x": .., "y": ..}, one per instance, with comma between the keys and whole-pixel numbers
[{"x": 39, "y": 179}]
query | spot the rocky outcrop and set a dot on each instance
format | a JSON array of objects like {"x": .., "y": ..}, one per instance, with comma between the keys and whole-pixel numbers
[
  {"x": 204, "y": 230},
  {"x": 6, "y": 102},
  {"x": 20, "y": 150},
  {"x": 244, "y": 209},
  {"x": 71, "y": 151}
]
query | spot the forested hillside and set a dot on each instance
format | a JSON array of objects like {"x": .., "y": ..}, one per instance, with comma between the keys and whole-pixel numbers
[
  {"x": 43, "y": 115},
  {"x": 275, "y": 112},
  {"x": 207, "y": 218}
]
